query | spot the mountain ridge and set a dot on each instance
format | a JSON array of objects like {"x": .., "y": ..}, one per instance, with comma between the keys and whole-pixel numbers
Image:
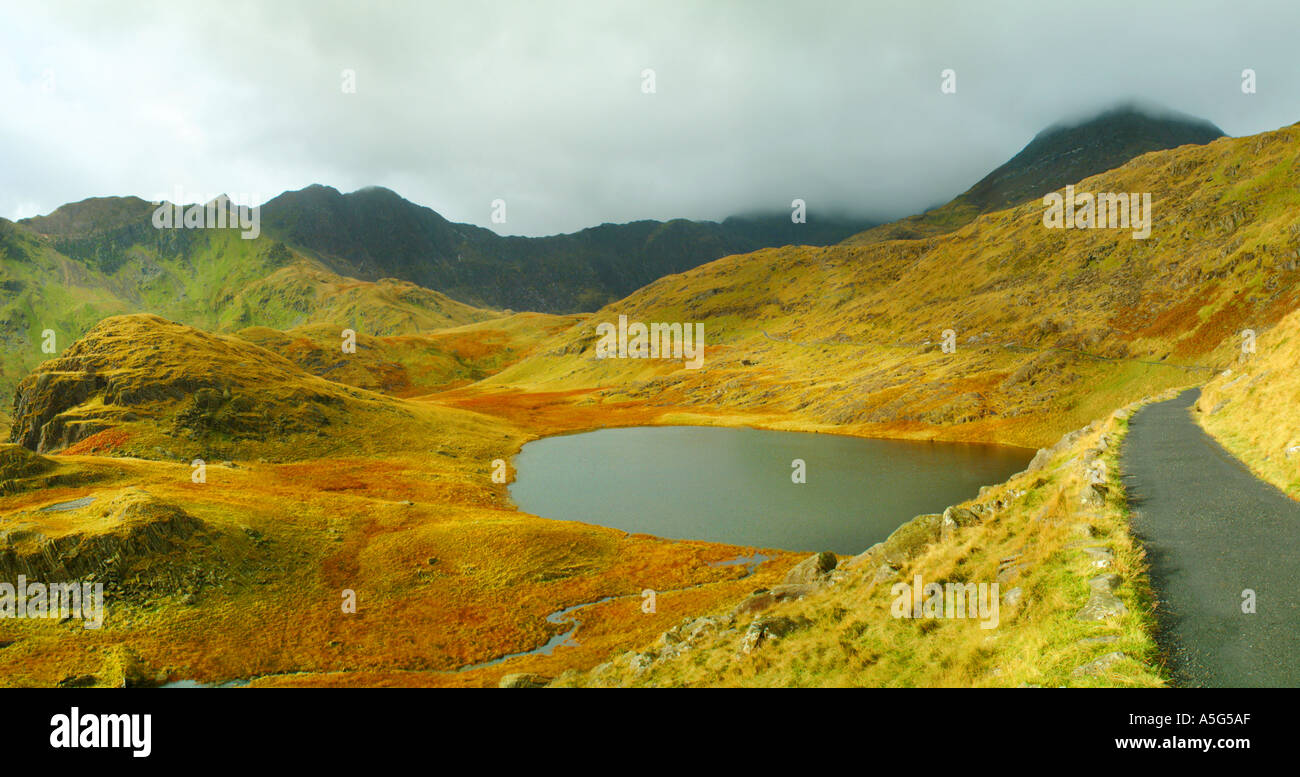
[{"x": 1065, "y": 152}]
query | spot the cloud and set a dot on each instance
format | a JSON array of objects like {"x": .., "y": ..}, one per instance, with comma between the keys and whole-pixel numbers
[{"x": 541, "y": 104}]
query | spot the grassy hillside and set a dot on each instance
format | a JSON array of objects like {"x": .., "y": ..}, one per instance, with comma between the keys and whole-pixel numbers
[
  {"x": 211, "y": 279},
  {"x": 1046, "y": 537},
  {"x": 412, "y": 364},
  {"x": 372, "y": 472},
  {"x": 1053, "y": 327},
  {"x": 1248, "y": 407},
  {"x": 311, "y": 488}
]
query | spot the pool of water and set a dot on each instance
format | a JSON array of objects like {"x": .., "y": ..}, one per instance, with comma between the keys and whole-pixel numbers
[
  {"x": 63, "y": 507},
  {"x": 736, "y": 486}
]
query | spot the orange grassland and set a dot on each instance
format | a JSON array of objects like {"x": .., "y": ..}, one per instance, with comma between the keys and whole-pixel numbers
[{"x": 447, "y": 574}]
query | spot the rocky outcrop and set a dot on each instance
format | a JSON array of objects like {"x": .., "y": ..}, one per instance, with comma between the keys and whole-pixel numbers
[
  {"x": 122, "y": 538},
  {"x": 178, "y": 381},
  {"x": 804, "y": 579},
  {"x": 22, "y": 470},
  {"x": 813, "y": 569},
  {"x": 17, "y": 462},
  {"x": 765, "y": 629},
  {"x": 1040, "y": 460},
  {"x": 42, "y": 398}
]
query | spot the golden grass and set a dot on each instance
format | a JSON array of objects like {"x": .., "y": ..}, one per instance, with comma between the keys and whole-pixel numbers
[
  {"x": 1250, "y": 407},
  {"x": 1067, "y": 325},
  {"x": 853, "y": 640}
]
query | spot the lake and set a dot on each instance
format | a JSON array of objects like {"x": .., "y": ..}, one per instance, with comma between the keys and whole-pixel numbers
[{"x": 734, "y": 485}]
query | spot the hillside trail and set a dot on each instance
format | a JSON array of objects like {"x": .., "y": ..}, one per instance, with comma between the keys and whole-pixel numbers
[{"x": 1215, "y": 536}]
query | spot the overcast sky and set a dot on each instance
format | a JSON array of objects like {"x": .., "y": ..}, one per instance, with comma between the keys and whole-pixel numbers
[{"x": 541, "y": 104}]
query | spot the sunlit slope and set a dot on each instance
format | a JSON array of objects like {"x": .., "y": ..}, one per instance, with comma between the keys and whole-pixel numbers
[
  {"x": 211, "y": 279},
  {"x": 412, "y": 364},
  {"x": 142, "y": 386},
  {"x": 1053, "y": 327},
  {"x": 1250, "y": 407},
  {"x": 309, "y": 488},
  {"x": 1058, "y": 597},
  {"x": 303, "y": 293}
]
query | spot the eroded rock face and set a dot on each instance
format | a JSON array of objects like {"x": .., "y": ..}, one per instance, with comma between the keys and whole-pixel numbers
[
  {"x": 43, "y": 396},
  {"x": 20, "y": 469},
  {"x": 135, "y": 528},
  {"x": 192, "y": 385}
]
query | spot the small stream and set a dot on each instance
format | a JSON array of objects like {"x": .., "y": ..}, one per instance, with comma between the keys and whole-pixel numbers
[{"x": 562, "y": 639}]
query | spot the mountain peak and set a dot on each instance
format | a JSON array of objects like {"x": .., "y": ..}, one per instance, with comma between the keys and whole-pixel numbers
[
  {"x": 1074, "y": 149},
  {"x": 1130, "y": 113}
]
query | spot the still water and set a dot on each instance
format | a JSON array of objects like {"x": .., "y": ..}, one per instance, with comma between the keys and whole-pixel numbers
[{"x": 735, "y": 485}]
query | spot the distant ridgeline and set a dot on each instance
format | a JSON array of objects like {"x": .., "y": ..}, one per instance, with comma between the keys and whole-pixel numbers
[
  {"x": 374, "y": 233},
  {"x": 382, "y": 265}
]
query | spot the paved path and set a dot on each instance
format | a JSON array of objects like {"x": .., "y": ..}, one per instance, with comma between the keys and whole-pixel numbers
[{"x": 1211, "y": 530}]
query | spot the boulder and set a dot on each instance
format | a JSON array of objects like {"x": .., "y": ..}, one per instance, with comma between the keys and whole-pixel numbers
[
  {"x": 524, "y": 680},
  {"x": 688, "y": 632},
  {"x": 1107, "y": 582},
  {"x": 814, "y": 569},
  {"x": 868, "y": 556},
  {"x": 955, "y": 518},
  {"x": 1100, "y": 557},
  {"x": 883, "y": 573},
  {"x": 1008, "y": 573},
  {"x": 1095, "y": 494},
  {"x": 639, "y": 662},
  {"x": 911, "y": 538},
  {"x": 1040, "y": 460}
]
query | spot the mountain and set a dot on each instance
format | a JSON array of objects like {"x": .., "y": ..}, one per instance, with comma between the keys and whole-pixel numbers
[
  {"x": 1061, "y": 154},
  {"x": 1050, "y": 327},
  {"x": 370, "y": 260},
  {"x": 374, "y": 233},
  {"x": 135, "y": 373},
  {"x": 326, "y": 474},
  {"x": 1069, "y": 152}
]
